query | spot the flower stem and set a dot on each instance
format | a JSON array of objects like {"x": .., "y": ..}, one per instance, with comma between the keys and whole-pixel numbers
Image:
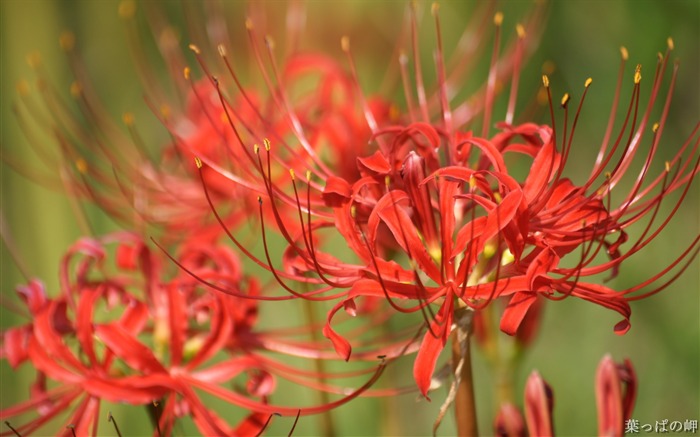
[
  {"x": 464, "y": 405},
  {"x": 326, "y": 418}
]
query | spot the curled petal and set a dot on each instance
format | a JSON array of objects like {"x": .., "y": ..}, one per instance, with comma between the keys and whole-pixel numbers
[
  {"x": 337, "y": 192},
  {"x": 341, "y": 345}
]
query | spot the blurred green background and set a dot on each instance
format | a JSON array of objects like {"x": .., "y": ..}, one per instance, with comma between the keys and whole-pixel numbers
[{"x": 580, "y": 37}]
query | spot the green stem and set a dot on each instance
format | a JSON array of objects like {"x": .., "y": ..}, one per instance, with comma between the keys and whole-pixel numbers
[{"x": 326, "y": 419}]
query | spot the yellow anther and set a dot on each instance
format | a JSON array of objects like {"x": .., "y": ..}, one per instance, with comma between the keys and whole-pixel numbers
[
  {"x": 353, "y": 211},
  {"x": 638, "y": 74},
  {"x": 434, "y": 8},
  {"x": 270, "y": 42},
  {"x": 520, "y": 30},
  {"x": 34, "y": 59},
  {"x": 623, "y": 52},
  {"x": 165, "y": 111},
  {"x": 192, "y": 347},
  {"x": 222, "y": 50},
  {"x": 76, "y": 89},
  {"x": 197, "y": 162},
  {"x": 655, "y": 127},
  {"x": 168, "y": 38},
  {"x": 545, "y": 81},
  {"x": 23, "y": 87},
  {"x": 345, "y": 43},
  {"x": 266, "y": 143},
  {"x": 498, "y": 197},
  {"x": 81, "y": 165},
  {"x": 249, "y": 24},
  {"x": 66, "y": 40},
  {"x": 668, "y": 166},
  {"x": 564, "y": 100},
  {"x": 472, "y": 182},
  {"x": 608, "y": 175},
  {"x": 308, "y": 175},
  {"x": 260, "y": 200},
  {"x": 394, "y": 113},
  {"x": 489, "y": 250},
  {"x": 128, "y": 118},
  {"x": 588, "y": 82},
  {"x": 291, "y": 173},
  {"x": 127, "y": 8},
  {"x": 256, "y": 149},
  {"x": 507, "y": 257},
  {"x": 195, "y": 49},
  {"x": 186, "y": 73},
  {"x": 387, "y": 181},
  {"x": 498, "y": 18},
  {"x": 659, "y": 56},
  {"x": 669, "y": 43}
]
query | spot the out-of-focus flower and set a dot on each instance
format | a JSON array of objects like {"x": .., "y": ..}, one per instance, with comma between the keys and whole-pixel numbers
[{"x": 133, "y": 336}]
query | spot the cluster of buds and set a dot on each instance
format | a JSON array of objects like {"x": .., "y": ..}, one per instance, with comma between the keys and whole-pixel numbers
[{"x": 440, "y": 232}]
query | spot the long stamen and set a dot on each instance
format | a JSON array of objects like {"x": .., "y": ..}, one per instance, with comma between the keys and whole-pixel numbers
[
  {"x": 12, "y": 248},
  {"x": 369, "y": 116},
  {"x": 294, "y": 119},
  {"x": 442, "y": 87},
  {"x": 308, "y": 240},
  {"x": 267, "y": 423},
  {"x": 381, "y": 280},
  {"x": 7, "y": 423},
  {"x": 420, "y": 87},
  {"x": 114, "y": 422},
  {"x": 410, "y": 105},
  {"x": 272, "y": 269},
  {"x": 493, "y": 72},
  {"x": 624, "y": 55},
  {"x": 519, "y": 48},
  {"x": 235, "y": 241}
]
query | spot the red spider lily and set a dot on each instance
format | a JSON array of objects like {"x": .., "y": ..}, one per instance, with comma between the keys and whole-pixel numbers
[
  {"x": 117, "y": 171},
  {"x": 392, "y": 200},
  {"x": 468, "y": 232},
  {"x": 137, "y": 339}
]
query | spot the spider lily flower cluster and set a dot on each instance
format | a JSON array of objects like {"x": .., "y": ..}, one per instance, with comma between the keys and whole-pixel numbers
[
  {"x": 435, "y": 220},
  {"x": 133, "y": 336}
]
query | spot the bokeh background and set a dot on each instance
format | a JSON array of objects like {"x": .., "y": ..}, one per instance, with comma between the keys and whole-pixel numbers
[{"x": 580, "y": 38}]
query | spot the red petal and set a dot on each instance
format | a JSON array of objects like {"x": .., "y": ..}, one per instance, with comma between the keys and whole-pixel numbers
[
  {"x": 129, "y": 349},
  {"x": 14, "y": 347},
  {"x": 337, "y": 192},
  {"x": 341, "y": 345},
  {"x": 543, "y": 168},
  {"x": 375, "y": 163},
  {"x": 515, "y": 311},
  {"x": 432, "y": 345}
]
